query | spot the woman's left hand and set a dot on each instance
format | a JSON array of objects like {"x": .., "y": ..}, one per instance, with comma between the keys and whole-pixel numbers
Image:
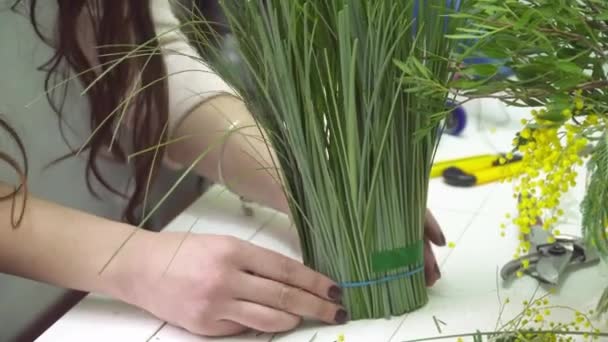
[{"x": 432, "y": 234}]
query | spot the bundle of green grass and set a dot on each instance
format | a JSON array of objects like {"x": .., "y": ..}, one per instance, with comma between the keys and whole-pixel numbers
[{"x": 338, "y": 87}]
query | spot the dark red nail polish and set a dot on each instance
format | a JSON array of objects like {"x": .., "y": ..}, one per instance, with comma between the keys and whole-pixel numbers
[
  {"x": 335, "y": 293},
  {"x": 341, "y": 316}
]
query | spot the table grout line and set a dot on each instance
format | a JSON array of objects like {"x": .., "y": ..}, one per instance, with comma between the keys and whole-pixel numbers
[
  {"x": 262, "y": 226},
  {"x": 474, "y": 216},
  {"x": 155, "y": 333}
]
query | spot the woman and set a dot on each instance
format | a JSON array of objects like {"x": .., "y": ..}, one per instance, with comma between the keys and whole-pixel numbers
[{"x": 66, "y": 238}]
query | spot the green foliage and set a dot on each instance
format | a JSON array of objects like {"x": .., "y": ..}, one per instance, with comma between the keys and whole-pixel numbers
[
  {"x": 554, "y": 48},
  {"x": 558, "y": 51},
  {"x": 595, "y": 211},
  {"x": 354, "y": 149}
]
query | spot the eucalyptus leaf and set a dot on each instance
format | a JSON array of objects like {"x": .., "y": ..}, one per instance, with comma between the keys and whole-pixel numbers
[
  {"x": 569, "y": 67},
  {"x": 465, "y": 84},
  {"x": 484, "y": 70}
]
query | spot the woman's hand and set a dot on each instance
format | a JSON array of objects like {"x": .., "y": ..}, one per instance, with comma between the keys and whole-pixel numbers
[
  {"x": 432, "y": 234},
  {"x": 218, "y": 285}
]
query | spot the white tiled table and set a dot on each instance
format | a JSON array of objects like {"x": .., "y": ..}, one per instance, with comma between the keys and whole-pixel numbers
[{"x": 466, "y": 298}]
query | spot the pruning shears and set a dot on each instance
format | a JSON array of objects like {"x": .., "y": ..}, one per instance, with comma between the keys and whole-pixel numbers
[
  {"x": 475, "y": 170},
  {"x": 548, "y": 261}
]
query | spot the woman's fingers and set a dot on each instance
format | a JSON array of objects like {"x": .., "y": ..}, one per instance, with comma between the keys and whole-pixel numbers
[
  {"x": 282, "y": 269},
  {"x": 431, "y": 268},
  {"x": 260, "y": 317},
  {"x": 433, "y": 233},
  {"x": 290, "y": 299},
  {"x": 433, "y": 230}
]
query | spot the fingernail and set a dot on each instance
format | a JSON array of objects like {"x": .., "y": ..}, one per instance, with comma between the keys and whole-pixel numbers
[
  {"x": 341, "y": 316},
  {"x": 437, "y": 271},
  {"x": 443, "y": 240},
  {"x": 335, "y": 293}
]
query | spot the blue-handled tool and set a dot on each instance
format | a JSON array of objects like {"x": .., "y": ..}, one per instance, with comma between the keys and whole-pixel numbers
[{"x": 456, "y": 121}]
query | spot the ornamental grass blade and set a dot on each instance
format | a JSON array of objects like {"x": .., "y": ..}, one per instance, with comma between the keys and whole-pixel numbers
[{"x": 353, "y": 145}]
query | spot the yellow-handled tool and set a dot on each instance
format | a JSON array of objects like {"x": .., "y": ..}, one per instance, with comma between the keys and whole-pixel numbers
[
  {"x": 468, "y": 164},
  {"x": 457, "y": 177},
  {"x": 475, "y": 170}
]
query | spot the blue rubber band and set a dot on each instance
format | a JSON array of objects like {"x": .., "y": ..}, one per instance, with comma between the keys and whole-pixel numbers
[{"x": 382, "y": 280}]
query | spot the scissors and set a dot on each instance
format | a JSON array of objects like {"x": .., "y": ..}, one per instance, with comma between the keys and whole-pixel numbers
[{"x": 548, "y": 261}]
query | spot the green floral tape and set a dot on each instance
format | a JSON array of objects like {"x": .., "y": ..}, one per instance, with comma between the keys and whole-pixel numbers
[{"x": 397, "y": 258}]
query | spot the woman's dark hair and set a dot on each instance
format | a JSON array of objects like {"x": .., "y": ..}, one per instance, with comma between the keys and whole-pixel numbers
[
  {"x": 21, "y": 171},
  {"x": 118, "y": 28}
]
